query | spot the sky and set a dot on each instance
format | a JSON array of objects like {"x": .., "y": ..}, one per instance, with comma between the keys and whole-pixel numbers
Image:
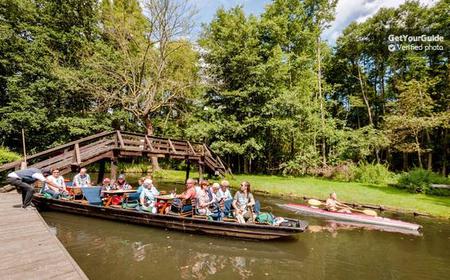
[{"x": 346, "y": 12}]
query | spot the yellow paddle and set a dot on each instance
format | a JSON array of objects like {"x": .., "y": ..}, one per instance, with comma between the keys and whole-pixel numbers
[{"x": 315, "y": 202}]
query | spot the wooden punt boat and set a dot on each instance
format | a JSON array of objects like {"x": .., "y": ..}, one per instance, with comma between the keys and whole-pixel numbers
[
  {"x": 351, "y": 217},
  {"x": 176, "y": 222}
]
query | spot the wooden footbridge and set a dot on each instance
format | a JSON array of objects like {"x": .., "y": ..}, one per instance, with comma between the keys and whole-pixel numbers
[{"x": 118, "y": 144}]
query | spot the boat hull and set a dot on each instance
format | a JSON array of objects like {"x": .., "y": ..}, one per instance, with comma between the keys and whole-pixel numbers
[
  {"x": 351, "y": 217},
  {"x": 186, "y": 224}
]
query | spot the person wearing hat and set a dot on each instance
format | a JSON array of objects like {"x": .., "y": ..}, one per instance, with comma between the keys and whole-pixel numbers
[
  {"x": 23, "y": 180},
  {"x": 121, "y": 184}
]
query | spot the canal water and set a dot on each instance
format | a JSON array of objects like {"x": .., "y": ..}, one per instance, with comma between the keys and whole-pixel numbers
[{"x": 114, "y": 250}]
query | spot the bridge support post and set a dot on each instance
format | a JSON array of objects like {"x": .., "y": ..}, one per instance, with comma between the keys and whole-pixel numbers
[
  {"x": 188, "y": 169},
  {"x": 200, "y": 171},
  {"x": 113, "y": 169},
  {"x": 101, "y": 172}
]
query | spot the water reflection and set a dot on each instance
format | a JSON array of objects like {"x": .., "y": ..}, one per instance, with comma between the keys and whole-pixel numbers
[
  {"x": 334, "y": 227},
  {"x": 136, "y": 249},
  {"x": 113, "y": 250}
]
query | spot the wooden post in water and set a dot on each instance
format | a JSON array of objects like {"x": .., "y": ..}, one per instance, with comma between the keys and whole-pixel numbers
[
  {"x": 188, "y": 168},
  {"x": 113, "y": 169},
  {"x": 101, "y": 172}
]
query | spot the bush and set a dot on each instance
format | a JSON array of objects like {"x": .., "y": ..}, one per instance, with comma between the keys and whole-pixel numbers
[
  {"x": 345, "y": 172},
  {"x": 419, "y": 180},
  {"x": 134, "y": 167},
  {"x": 301, "y": 164},
  {"x": 160, "y": 174},
  {"x": 7, "y": 156},
  {"x": 373, "y": 174}
]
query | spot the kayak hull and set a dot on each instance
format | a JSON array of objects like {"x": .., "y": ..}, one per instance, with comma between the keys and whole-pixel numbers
[{"x": 351, "y": 217}]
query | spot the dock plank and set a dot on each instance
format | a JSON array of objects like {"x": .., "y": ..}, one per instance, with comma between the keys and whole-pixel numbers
[{"x": 28, "y": 247}]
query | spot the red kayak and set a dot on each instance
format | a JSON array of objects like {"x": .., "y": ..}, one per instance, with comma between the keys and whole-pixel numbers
[{"x": 351, "y": 217}]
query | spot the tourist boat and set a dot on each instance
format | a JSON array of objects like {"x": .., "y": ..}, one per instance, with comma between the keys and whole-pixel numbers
[
  {"x": 350, "y": 217},
  {"x": 176, "y": 222}
]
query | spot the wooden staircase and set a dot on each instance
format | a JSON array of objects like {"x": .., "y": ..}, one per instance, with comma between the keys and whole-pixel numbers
[{"x": 119, "y": 144}]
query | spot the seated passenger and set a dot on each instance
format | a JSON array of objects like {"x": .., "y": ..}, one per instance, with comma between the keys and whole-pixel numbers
[
  {"x": 186, "y": 196},
  {"x": 140, "y": 185},
  {"x": 57, "y": 180},
  {"x": 204, "y": 200},
  {"x": 106, "y": 186},
  {"x": 147, "y": 199},
  {"x": 82, "y": 179},
  {"x": 153, "y": 189},
  {"x": 332, "y": 204},
  {"x": 121, "y": 184},
  {"x": 224, "y": 191},
  {"x": 199, "y": 189},
  {"x": 216, "y": 207},
  {"x": 243, "y": 202}
]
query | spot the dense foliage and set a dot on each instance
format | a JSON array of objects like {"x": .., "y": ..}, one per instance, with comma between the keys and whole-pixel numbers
[
  {"x": 7, "y": 156},
  {"x": 419, "y": 180},
  {"x": 265, "y": 92}
]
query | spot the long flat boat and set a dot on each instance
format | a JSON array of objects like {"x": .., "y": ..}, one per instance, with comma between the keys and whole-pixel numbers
[
  {"x": 176, "y": 222},
  {"x": 351, "y": 217}
]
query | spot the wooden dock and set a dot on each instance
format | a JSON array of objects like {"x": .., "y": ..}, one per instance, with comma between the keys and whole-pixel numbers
[{"x": 28, "y": 249}]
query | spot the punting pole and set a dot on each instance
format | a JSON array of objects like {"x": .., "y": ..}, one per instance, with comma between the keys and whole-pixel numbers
[{"x": 23, "y": 165}]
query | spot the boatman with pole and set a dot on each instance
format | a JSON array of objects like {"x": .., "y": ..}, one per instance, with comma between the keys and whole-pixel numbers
[{"x": 23, "y": 180}]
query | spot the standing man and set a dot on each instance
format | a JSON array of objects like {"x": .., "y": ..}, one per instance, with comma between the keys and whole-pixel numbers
[
  {"x": 23, "y": 179},
  {"x": 82, "y": 179}
]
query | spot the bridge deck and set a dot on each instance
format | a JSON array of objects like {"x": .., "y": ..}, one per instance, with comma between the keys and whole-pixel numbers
[{"x": 28, "y": 249}]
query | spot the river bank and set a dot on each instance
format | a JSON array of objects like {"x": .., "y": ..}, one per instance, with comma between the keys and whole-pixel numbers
[{"x": 351, "y": 192}]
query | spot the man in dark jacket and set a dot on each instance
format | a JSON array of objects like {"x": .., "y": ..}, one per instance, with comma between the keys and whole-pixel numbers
[{"x": 23, "y": 180}]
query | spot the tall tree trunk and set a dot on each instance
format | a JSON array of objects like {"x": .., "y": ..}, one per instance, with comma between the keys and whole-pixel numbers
[
  {"x": 369, "y": 111},
  {"x": 444, "y": 153},
  {"x": 366, "y": 100},
  {"x": 322, "y": 114},
  {"x": 419, "y": 154},
  {"x": 405, "y": 161},
  {"x": 245, "y": 165},
  {"x": 430, "y": 153},
  {"x": 154, "y": 159}
]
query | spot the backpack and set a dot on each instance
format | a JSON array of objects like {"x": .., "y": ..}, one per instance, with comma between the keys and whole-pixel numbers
[{"x": 265, "y": 218}]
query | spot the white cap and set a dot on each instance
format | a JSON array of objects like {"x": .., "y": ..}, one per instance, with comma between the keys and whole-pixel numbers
[
  {"x": 148, "y": 182},
  {"x": 216, "y": 186}
]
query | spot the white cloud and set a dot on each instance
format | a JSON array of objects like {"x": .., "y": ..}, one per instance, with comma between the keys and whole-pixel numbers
[{"x": 348, "y": 11}]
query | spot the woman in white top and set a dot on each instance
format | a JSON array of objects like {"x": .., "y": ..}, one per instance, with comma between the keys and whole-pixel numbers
[
  {"x": 243, "y": 202},
  {"x": 58, "y": 180}
]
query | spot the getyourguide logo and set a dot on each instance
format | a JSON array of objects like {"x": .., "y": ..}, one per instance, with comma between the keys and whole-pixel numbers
[{"x": 420, "y": 38}]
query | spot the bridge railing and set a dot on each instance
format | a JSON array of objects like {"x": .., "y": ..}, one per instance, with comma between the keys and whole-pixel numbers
[{"x": 92, "y": 148}]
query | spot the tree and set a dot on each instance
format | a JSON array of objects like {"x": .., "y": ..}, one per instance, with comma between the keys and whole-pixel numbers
[
  {"x": 39, "y": 41},
  {"x": 144, "y": 66},
  {"x": 413, "y": 116}
]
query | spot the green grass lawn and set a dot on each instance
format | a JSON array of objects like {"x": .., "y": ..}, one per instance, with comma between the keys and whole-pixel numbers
[{"x": 348, "y": 192}]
